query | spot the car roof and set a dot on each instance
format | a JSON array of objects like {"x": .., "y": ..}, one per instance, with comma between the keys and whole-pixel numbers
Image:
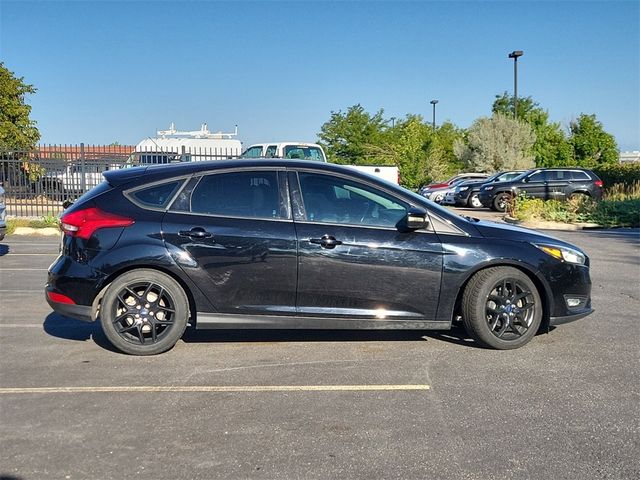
[{"x": 150, "y": 172}]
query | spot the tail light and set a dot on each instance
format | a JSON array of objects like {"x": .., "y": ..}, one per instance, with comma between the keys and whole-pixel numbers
[
  {"x": 59, "y": 298},
  {"x": 599, "y": 183},
  {"x": 83, "y": 223}
]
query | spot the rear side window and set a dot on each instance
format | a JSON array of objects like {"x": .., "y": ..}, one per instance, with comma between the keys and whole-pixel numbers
[
  {"x": 155, "y": 196},
  {"x": 579, "y": 175},
  {"x": 237, "y": 194},
  {"x": 559, "y": 175}
]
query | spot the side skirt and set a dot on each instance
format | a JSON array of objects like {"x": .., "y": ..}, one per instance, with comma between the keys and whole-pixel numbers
[{"x": 206, "y": 321}]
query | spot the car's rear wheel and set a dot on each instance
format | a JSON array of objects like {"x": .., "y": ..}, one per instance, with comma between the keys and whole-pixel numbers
[
  {"x": 501, "y": 202},
  {"x": 501, "y": 308},
  {"x": 144, "y": 312},
  {"x": 474, "y": 201}
]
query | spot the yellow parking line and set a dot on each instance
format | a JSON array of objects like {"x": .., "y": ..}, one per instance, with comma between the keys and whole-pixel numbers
[{"x": 215, "y": 388}]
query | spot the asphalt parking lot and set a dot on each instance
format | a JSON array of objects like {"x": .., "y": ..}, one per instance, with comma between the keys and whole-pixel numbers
[{"x": 321, "y": 404}]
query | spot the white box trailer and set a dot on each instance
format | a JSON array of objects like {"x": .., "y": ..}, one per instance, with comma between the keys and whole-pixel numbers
[{"x": 185, "y": 146}]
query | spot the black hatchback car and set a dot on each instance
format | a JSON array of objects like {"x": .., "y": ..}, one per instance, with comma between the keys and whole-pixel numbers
[
  {"x": 294, "y": 244},
  {"x": 544, "y": 183}
]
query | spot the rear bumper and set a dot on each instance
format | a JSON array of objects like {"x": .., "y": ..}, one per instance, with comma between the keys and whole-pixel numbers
[{"x": 79, "y": 312}]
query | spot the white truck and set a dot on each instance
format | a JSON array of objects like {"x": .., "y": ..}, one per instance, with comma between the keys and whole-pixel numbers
[
  {"x": 184, "y": 146},
  {"x": 313, "y": 151}
]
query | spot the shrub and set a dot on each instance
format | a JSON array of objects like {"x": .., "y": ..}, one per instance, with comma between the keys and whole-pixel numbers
[
  {"x": 619, "y": 208},
  {"x": 611, "y": 174}
]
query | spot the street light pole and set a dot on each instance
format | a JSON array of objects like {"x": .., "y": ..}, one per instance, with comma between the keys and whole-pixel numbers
[
  {"x": 515, "y": 54},
  {"x": 433, "y": 102},
  {"x": 393, "y": 122}
]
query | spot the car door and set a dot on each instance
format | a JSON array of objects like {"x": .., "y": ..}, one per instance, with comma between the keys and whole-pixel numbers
[
  {"x": 535, "y": 185},
  {"x": 353, "y": 260},
  {"x": 558, "y": 183},
  {"x": 232, "y": 233}
]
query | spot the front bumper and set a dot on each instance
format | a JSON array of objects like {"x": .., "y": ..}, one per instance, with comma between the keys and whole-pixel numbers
[
  {"x": 554, "y": 321},
  {"x": 485, "y": 198}
]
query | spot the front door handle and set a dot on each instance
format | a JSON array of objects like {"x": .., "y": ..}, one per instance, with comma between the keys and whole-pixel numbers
[
  {"x": 195, "y": 232},
  {"x": 327, "y": 241}
]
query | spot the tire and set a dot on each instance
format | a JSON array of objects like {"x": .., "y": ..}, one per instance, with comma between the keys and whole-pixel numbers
[
  {"x": 144, "y": 312},
  {"x": 501, "y": 308},
  {"x": 474, "y": 201},
  {"x": 501, "y": 202},
  {"x": 579, "y": 195}
]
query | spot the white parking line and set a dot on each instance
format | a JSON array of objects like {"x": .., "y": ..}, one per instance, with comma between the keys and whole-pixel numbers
[
  {"x": 215, "y": 389},
  {"x": 27, "y": 254},
  {"x": 23, "y": 269}
]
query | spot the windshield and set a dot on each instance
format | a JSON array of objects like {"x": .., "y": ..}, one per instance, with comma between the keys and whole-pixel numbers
[{"x": 252, "y": 152}]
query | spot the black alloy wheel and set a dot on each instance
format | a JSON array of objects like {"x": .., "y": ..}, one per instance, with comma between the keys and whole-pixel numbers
[
  {"x": 501, "y": 202},
  {"x": 501, "y": 308},
  {"x": 144, "y": 312}
]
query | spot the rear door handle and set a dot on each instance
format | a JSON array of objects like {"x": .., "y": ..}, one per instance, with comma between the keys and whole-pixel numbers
[
  {"x": 195, "y": 232},
  {"x": 327, "y": 241}
]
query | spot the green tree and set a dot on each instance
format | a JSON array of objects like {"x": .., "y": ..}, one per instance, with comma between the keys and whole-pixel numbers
[
  {"x": 592, "y": 146},
  {"x": 353, "y": 137},
  {"x": 551, "y": 148},
  {"x": 17, "y": 130},
  {"x": 505, "y": 104},
  {"x": 497, "y": 143}
]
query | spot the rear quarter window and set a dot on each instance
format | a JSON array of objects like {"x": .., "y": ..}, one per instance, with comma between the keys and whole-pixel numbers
[
  {"x": 579, "y": 176},
  {"x": 155, "y": 196}
]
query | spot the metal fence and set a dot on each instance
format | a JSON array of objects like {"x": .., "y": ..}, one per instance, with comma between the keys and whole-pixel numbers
[{"x": 38, "y": 182}]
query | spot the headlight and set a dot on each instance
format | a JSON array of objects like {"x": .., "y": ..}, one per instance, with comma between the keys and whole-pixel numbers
[
  {"x": 567, "y": 254},
  {"x": 462, "y": 189},
  {"x": 490, "y": 187}
]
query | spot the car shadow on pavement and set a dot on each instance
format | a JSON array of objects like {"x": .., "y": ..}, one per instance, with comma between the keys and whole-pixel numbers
[
  {"x": 456, "y": 335},
  {"x": 69, "y": 329},
  {"x": 59, "y": 326}
]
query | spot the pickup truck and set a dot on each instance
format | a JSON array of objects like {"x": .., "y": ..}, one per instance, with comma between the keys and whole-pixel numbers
[
  {"x": 313, "y": 151},
  {"x": 71, "y": 181}
]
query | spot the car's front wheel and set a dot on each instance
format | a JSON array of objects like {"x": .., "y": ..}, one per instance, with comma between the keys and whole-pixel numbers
[
  {"x": 501, "y": 308},
  {"x": 501, "y": 202},
  {"x": 144, "y": 312},
  {"x": 474, "y": 201}
]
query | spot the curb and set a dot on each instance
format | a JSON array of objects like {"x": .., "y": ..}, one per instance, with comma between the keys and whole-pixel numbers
[
  {"x": 544, "y": 225},
  {"x": 47, "y": 231}
]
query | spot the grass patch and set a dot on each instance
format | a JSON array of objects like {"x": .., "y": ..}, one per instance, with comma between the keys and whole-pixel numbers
[
  {"x": 43, "y": 222},
  {"x": 619, "y": 207}
]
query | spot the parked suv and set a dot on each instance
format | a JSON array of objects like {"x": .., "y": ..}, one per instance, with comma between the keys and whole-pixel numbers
[
  {"x": 271, "y": 243},
  {"x": 545, "y": 183}
]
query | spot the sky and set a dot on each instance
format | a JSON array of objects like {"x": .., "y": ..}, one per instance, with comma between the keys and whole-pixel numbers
[{"x": 118, "y": 71}]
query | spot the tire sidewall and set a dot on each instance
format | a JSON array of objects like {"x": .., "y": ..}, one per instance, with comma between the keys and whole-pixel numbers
[
  {"x": 181, "y": 315},
  {"x": 476, "y": 318},
  {"x": 477, "y": 203}
]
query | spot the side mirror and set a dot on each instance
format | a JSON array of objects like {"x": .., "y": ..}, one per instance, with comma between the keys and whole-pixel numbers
[{"x": 416, "y": 219}]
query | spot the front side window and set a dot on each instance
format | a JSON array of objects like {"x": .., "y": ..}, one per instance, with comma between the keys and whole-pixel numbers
[
  {"x": 330, "y": 199},
  {"x": 538, "y": 177},
  {"x": 272, "y": 151},
  {"x": 253, "y": 194}
]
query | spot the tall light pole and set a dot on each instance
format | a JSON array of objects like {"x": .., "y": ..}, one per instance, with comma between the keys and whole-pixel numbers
[
  {"x": 515, "y": 54},
  {"x": 433, "y": 102},
  {"x": 393, "y": 122}
]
